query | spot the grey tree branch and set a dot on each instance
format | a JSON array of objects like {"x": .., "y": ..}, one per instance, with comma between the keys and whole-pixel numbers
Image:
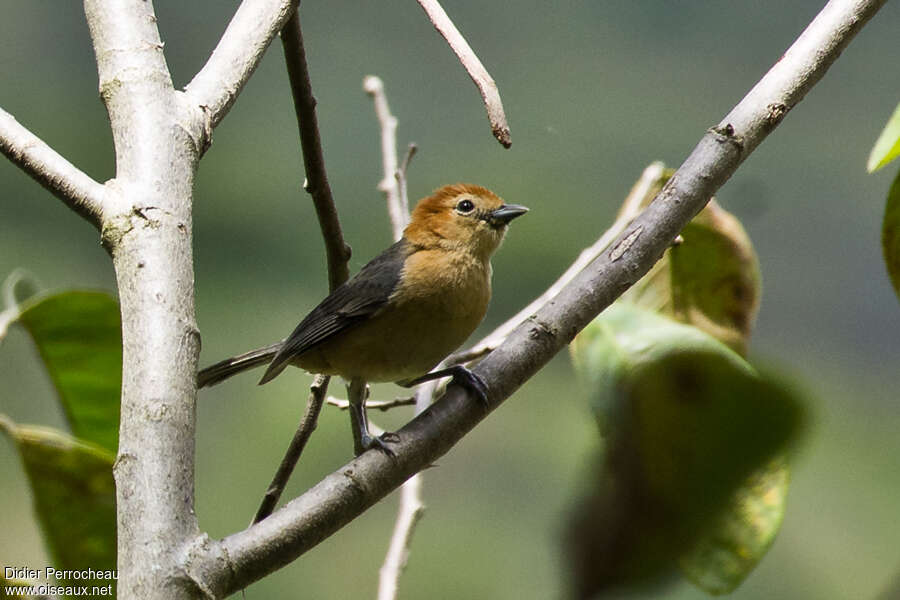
[
  {"x": 147, "y": 229},
  {"x": 336, "y": 250},
  {"x": 60, "y": 177},
  {"x": 483, "y": 80},
  {"x": 217, "y": 85},
  {"x": 229, "y": 564}
]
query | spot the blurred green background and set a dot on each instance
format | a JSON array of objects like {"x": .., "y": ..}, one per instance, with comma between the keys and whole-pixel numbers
[{"x": 594, "y": 91}]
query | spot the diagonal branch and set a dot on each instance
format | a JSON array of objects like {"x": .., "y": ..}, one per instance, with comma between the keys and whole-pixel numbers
[
  {"x": 60, "y": 177},
  {"x": 483, "y": 80},
  {"x": 246, "y": 556},
  {"x": 217, "y": 85}
]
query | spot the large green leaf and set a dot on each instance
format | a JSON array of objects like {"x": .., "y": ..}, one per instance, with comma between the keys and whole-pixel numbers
[
  {"x": 78, "y": 336},
  {"x": 73, "y": 495},
  {"x": 741, "y": 534},
  {"x": 692, "y": 474},
  {"x": 710, "y": 279},
  {"x": 890, "y": 234},
  {"x": 887, "y": 146},
  {"x": 608, "y": 351}
]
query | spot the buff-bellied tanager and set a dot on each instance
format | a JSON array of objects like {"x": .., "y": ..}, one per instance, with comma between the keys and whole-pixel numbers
[{"x": 405, "y": 310}]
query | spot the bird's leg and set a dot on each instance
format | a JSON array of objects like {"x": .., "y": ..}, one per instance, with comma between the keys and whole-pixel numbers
[
  {"x": 461, "y": 376},
  {"x": 357, "y": 393}
]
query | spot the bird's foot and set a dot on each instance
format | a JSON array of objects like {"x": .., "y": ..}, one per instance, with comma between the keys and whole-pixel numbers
[
  {"x": 461, "y": 376},
  {"x": 367, "y": 442},
  {"x": 472, "y": 382}
]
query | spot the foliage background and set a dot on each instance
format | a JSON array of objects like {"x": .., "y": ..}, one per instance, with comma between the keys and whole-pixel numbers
[{"x": 594, "y": 91}]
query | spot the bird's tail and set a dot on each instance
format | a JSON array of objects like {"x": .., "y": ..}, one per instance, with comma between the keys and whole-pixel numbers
[{"x": 222, "y": 370}]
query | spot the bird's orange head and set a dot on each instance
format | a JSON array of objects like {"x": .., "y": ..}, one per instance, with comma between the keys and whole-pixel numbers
[{"x": 461, "y": 217}]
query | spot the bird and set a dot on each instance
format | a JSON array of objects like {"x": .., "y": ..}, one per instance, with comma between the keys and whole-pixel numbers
[{"x": 404, "y": 312}]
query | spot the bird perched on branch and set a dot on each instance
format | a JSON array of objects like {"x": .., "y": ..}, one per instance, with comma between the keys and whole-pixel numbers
[{"x": 404, "y": 311}]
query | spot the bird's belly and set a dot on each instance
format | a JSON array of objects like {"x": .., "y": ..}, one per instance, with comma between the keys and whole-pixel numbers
[{"x": 401, "y": 342}]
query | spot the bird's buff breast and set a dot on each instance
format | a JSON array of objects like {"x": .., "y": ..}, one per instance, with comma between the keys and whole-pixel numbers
[{"x": 440, "y": 301}]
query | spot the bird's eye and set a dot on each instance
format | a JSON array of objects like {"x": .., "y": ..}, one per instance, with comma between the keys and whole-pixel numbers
[{"x": 465, "y": 206}]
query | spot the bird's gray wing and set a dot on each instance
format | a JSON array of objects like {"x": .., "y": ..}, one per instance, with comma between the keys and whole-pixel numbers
[{"x": 348, "y": 305}]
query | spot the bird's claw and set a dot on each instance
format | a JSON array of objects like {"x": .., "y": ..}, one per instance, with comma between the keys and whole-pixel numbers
[
  {"x": 460, "y": 376},
  {"x": 472, "y": 382},
  {"x": 380, "y": 443}
]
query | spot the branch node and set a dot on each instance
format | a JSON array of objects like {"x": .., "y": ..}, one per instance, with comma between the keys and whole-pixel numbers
[
  {"x": 776, "y": 112},
  {"x": 622, "y": 247}
]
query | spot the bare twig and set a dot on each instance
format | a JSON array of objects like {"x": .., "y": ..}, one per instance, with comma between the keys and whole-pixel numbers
[
  {"x": 382, "y": 405},
  {"x": 402, "y": 180},
  {"x": 398, "y": 212},
  {"x": 308, "y": 422},
  {"x": 231, "y": 563},
  {"x": 217, "y": 85},
  {"x": 336, "y": 250},
  {"x": 409, "y": 512},
  {"x": 489, "y": 92},
  {"x": 394, "y": 186},
  {"x": 60, "y": 177},
  {"x": 641, "y": 194}
]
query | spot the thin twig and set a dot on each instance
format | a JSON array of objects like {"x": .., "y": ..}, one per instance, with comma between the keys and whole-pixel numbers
[
  {"x": 389, "y": 184},
  {"x": 402, "y": 182},
  {"x": 246, "y": 556},
  {"x": 60, "y": 177},
  {"x": 394, "y": 186},
  {"x": 382, "y": 405},
  {"x": 217, "y": 85},
  {"x": 409, "y": 513},
  {"x": 641, "y": 193},
  {"x": 336, "y": 250},
  {"x": 314, "y": 402},
  {"x": 486, "y": 85}
]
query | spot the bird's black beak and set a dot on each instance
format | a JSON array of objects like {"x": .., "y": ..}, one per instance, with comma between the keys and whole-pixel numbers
[{"x": 506, "y": 213}]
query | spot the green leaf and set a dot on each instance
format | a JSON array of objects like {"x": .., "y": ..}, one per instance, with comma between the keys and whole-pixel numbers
[
  {"x": 887, "y": 146},
  {"x": 890, "y": 234},
  {"x": 741, "y": 535},
  {"x": 710, "y": 279},
  {"x": 78, "y": 336},
  {"x": 692, "y": 434},
  {"x": 625, "y": 337},
  {"x": 73, "y": 494},
  {"x": 701, "y": 425}
]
